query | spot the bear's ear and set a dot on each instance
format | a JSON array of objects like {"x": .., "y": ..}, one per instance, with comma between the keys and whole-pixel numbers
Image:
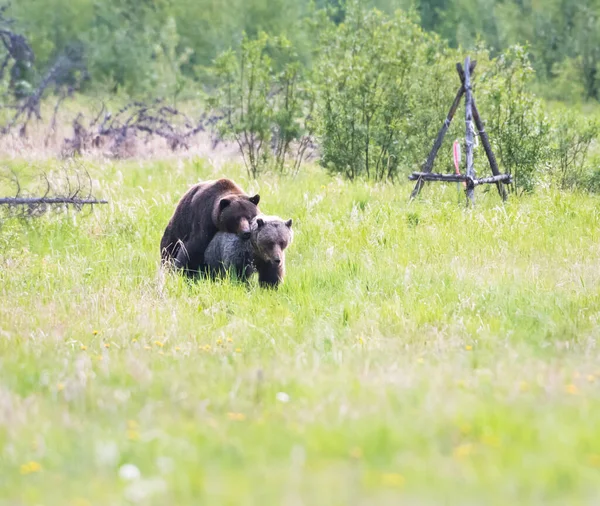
[
  {"x": 288, "y": 223},
  {"x": 223, "y": 203},
  {"x": 255, "y": 200},
  {"x": 260, "y": 222}
]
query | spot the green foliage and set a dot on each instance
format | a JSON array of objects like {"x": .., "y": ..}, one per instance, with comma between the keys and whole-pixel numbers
[
  {"x": 380, "y": 83},
  {"x": 120, "y": 36},
  {"x": 556, "y": 30},
  {"x": 126, "y": 40},
  {"x": 264, "y": 110},
  {"x": 517, "y": 123},
  {"x": 374, "y": 87},
  {"x": 242, "y": 98},
  {"x": 385, "y": 90},
  {"x": 573, "y": 135},
  {"x": 293, "y": 106},
  {"x": 382, "y": 89}
]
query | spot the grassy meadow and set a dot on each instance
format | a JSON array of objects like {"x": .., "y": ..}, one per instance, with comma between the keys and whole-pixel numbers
[{"x": 417, "y": 353}]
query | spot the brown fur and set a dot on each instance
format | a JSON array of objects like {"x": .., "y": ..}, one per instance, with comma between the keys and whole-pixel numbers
[
  {"x": 269, "y": 242},
  {"x": 264, "y": 252},
  {"x": 205, "y": 209}
]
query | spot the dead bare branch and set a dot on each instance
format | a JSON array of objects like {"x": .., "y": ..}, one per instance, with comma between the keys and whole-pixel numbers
[
  {"x": 60, "y": 192},
  {"x": 118, "y": 131}
]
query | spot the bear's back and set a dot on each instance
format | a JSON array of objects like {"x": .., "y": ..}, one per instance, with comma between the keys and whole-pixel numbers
[{"x": 228, "y": 251}]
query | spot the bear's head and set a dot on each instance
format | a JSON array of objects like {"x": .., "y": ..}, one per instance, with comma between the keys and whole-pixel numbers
[
  {"x": 270, "y": 237},
  {"x": 237, "y": 213}
]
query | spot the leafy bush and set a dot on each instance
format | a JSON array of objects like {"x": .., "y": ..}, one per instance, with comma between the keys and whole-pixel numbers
[
  {"x": 263, "y": 110},
  {"x": 242, "y": 98},
  {"x": 518, "y": 126},
  {"x": 573, "y": 136},
  {"x": 381, "y": 85}
]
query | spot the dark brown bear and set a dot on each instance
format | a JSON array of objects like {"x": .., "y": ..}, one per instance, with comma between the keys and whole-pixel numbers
[{"x": 205, "y": 209}]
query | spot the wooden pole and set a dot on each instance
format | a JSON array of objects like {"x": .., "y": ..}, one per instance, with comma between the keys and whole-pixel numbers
[
  {"x": 485, "y": 140},
  {"x": 428, "y": 165},
  {"x": 470, "y": 172},
  {"x": 452, "y": 178}
]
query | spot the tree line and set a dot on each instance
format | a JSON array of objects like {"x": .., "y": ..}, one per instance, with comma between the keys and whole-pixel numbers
[{"x": 136, "y": 44}]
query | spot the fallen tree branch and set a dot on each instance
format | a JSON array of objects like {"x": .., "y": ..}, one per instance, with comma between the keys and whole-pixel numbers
[
  {"x": 62, "y": 189},
  {"x": 14, "y": 201}
]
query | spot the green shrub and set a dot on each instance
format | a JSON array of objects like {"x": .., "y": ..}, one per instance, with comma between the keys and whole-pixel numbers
[
  {"x": 572, "y": 137},
  {"x": 383, "y": 83},
  {"x": 245, "y": 83},
  {"x": 517, "y": 124},
  {"x": 263, "y": 110}
]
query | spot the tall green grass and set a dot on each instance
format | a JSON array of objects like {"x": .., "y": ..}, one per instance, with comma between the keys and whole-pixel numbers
[{"x": 416, "y": 354}]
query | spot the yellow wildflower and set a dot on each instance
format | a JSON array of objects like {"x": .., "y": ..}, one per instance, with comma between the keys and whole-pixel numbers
[
  {"x": 468, "y": 347},
  {"x": 356, "y": 452},
  {"x": 572, "y": 389},
  {"x": 236, "y": 416},
  {"x": 83, "y": 347},
  {"x": 392, "y": 480},
  {"x": 95, "y": 332},
  {"x": 462, "y": 451},
  {"x": 594, "y": 460},
  {"x": 238, "y": 350},
  {"x": 465, "y": 428},
  {"x": 30, "y": 467},
  {"x": 132, "y": 430},
  {"x": 60, "y": 386},
  {"x": 80, "y": 501},
  {"x": 490, "y": 440},
  {"x": 158, "y": 343},
  {"x": 229, "y": 340}
]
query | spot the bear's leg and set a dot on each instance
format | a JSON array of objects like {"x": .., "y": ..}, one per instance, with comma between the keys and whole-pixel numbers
[
  {"x": 168, "y": 247},
  {"x": 270, "y": 276},
  {"x": 185, "y": 260},
  {"x": 190, "y": 257}
]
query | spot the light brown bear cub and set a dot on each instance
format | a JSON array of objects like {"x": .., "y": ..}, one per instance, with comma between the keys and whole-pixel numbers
[{"x": 263, "y": 252}]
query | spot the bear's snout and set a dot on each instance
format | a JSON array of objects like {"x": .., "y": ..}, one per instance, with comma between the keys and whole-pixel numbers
[
  {"x": 277, "y": 260},
  {"x": 244, "y": 229},
  {"x": 246, "y": 235}
]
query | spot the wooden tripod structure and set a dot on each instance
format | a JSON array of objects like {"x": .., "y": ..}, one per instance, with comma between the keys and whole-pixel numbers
[{"x": 471, "y": 114}]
